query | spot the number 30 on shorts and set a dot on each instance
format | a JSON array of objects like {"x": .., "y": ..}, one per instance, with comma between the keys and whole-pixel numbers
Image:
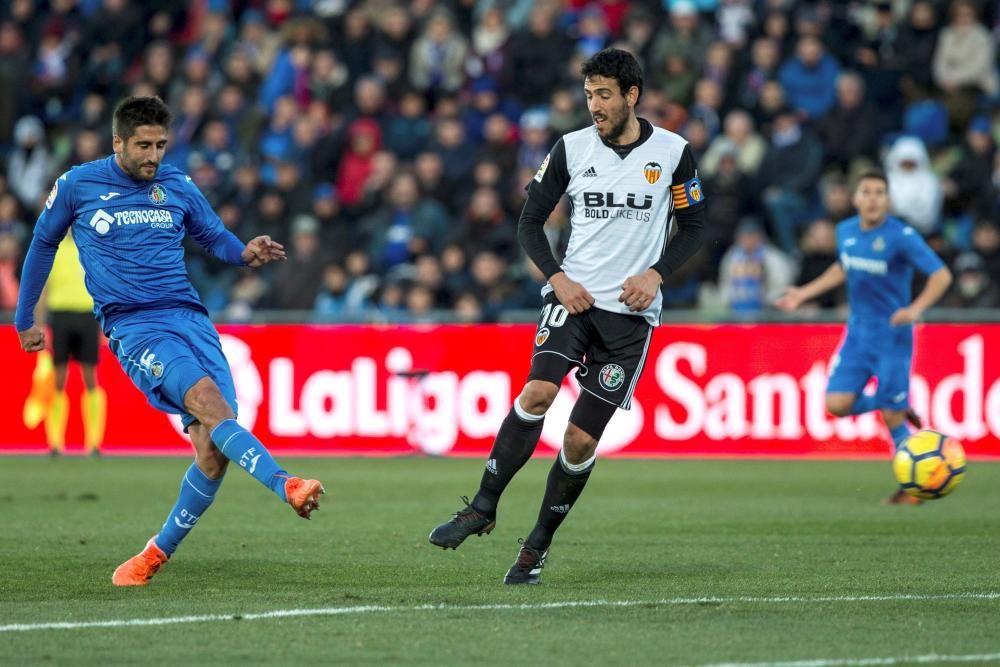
[{"x": 553, "y": 315}]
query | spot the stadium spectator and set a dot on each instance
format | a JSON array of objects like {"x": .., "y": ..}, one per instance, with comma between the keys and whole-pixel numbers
[
  {"x": 10, "y": 261},
  {"x": 753, "y": 273},
  {"x": 973, "y": 287},
  {"x": 730, "y": 188},
  {"x": 914, "y": 189},
  {"x": 986, "y": 243},
  {"x": 965, "y": 64},
  {"x": 535, "y": 58},
  {"x": 809, "y": 78},
  {"x": 738, "y": 138},
  {"x": 437, "y": 58},
  {"x": 850, "y": 129},
  {"x": 685, "y": 34},
  {"x": 819, "y": 252},
  {"x": 407, "y": 225},
  {"x": 968, "y": 184},
  {"x": 765, "y": 57},
  {"x": 788, "y": 176},
  {"x": 915, "y": 48},
  {"x": 30, "y": 165}
]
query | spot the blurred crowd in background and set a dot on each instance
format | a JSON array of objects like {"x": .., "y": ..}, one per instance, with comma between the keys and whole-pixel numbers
[{"x": 388, "y": 143}]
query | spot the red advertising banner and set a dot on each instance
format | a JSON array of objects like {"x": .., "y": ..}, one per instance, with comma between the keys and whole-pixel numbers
[{"x": 707, "y": 390}]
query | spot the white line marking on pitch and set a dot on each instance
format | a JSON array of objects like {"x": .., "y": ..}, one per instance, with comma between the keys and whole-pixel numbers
[
  {"x": 528, "y": 606},
  {"x": 865, "y": 662}
]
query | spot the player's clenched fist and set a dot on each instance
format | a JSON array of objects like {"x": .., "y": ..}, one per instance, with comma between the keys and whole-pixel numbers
[
  {"x": 639, "y": 291},
  {"x": 571, "y": 294},
  {"x": 261, "y": 250},
  {"x": 32, "y": 340}
]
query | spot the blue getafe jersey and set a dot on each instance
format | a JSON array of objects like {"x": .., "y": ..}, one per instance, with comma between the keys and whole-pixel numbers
[
  {"x": 129, "y": 235},
  {"x": 879, "y": 264}
]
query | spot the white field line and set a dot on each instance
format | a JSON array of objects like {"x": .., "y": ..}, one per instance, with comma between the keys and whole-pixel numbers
[
  {"x": 528, "y": 606},
  {"x": 930, "y": 658}
]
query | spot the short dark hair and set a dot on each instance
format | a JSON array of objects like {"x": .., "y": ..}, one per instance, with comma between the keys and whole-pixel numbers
[
  {"x": 872, "y": 175},
  {"x": 135, "y": 111},
  {"x": 615, "y": 64}
]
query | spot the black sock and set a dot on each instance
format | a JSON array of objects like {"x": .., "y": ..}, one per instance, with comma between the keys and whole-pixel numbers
[
  {"x": 514, "y": 444},
  {"x": 561, "y": 491}
]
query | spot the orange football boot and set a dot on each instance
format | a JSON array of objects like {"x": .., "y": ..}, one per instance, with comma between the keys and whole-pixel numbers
[
  {"x": 902, "y": 498},
  {"x": 139, "y": 569},
  {"x": 303, "y": 495}
]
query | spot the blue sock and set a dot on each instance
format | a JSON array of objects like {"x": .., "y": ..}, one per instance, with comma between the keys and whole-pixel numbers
[
  {"x": 899, "y": 434},
  {"x": 197, "y": 493},
  {"x": 863, "y": 403},
  {"x": 241, "y": 446}
]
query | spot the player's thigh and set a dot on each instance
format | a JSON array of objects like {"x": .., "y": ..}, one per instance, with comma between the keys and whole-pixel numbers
[
  {"x": 203, "y": 340},
  {"x": 61, "y": 329},
  {"x": 893, "y": 373},
  {"x": 851, "y": 367},
  {"x": 616, "y": 358},
  {"x": 561, "y": 342},
  {"x": 161, "y": 360}
]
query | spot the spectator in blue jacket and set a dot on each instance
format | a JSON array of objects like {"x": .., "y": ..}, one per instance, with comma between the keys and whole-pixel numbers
[{"x": 809, "y": 78}]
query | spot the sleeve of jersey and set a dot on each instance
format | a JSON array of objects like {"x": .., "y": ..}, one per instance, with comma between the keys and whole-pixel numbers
[
  {"x": 918, "y": 253},
  {"x": 689, "y": 207},
  {"x": 49, "y": 230},
  {"x": 544, "y": 192},
  {"x": 207, "y": 229}
]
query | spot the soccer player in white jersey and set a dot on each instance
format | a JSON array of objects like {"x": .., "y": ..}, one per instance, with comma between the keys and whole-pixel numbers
[
  {"x": 877, "y": 254},
  {"x": 625, "y": 180}
]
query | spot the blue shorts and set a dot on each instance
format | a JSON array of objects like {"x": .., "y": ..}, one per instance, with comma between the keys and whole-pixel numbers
[
  {"x": 165, "y": 352},
  {"x": 860, "y": 359}
]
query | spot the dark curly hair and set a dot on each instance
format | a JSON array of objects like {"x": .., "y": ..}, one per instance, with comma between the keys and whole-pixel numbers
[
  {"x": 135, "y": 111},
  {"x": 615, "y": 64}
]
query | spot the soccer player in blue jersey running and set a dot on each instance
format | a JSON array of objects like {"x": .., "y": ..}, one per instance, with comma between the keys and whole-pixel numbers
[
  {"x": 129, "y": 215},
  {"x": 877, "y": 255}
]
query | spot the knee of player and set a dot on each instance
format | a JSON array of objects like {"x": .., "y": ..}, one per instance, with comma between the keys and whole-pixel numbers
[
  {"x": 838, "y": 407},
  {"x": 537, "y": 397},
  {"x": 205, "y": 402},
  {"x": 578, "y": 445},
  {"x": 892, "y": 418}
]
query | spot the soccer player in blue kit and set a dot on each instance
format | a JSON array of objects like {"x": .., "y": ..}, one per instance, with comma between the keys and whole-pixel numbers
[
  {"x": 129, "y": 216},
  {"x": 877, "y": 255}
]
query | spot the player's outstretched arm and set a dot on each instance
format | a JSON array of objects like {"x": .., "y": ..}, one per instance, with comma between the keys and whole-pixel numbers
[
  {"x": 937, "y": 284},
  {"x": 794, "y": 297},
  {"x": 262, "y": 250}
]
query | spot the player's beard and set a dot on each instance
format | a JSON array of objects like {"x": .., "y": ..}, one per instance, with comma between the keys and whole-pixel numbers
[
  {"x": 616, "y": 130},
  {"x": 134, "y": 168}
]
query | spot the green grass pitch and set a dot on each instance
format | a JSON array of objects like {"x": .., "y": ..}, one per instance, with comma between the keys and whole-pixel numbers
[{"x": 712, "y": 562}]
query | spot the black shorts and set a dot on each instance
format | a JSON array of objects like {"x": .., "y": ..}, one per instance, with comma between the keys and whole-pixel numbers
[
  {"x": 608, "y": 349},
  {"x": 73, "y": 335}
]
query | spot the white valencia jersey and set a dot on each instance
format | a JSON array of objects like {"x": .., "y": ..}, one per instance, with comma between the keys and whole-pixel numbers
[{"x": 620, "y": 209}]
